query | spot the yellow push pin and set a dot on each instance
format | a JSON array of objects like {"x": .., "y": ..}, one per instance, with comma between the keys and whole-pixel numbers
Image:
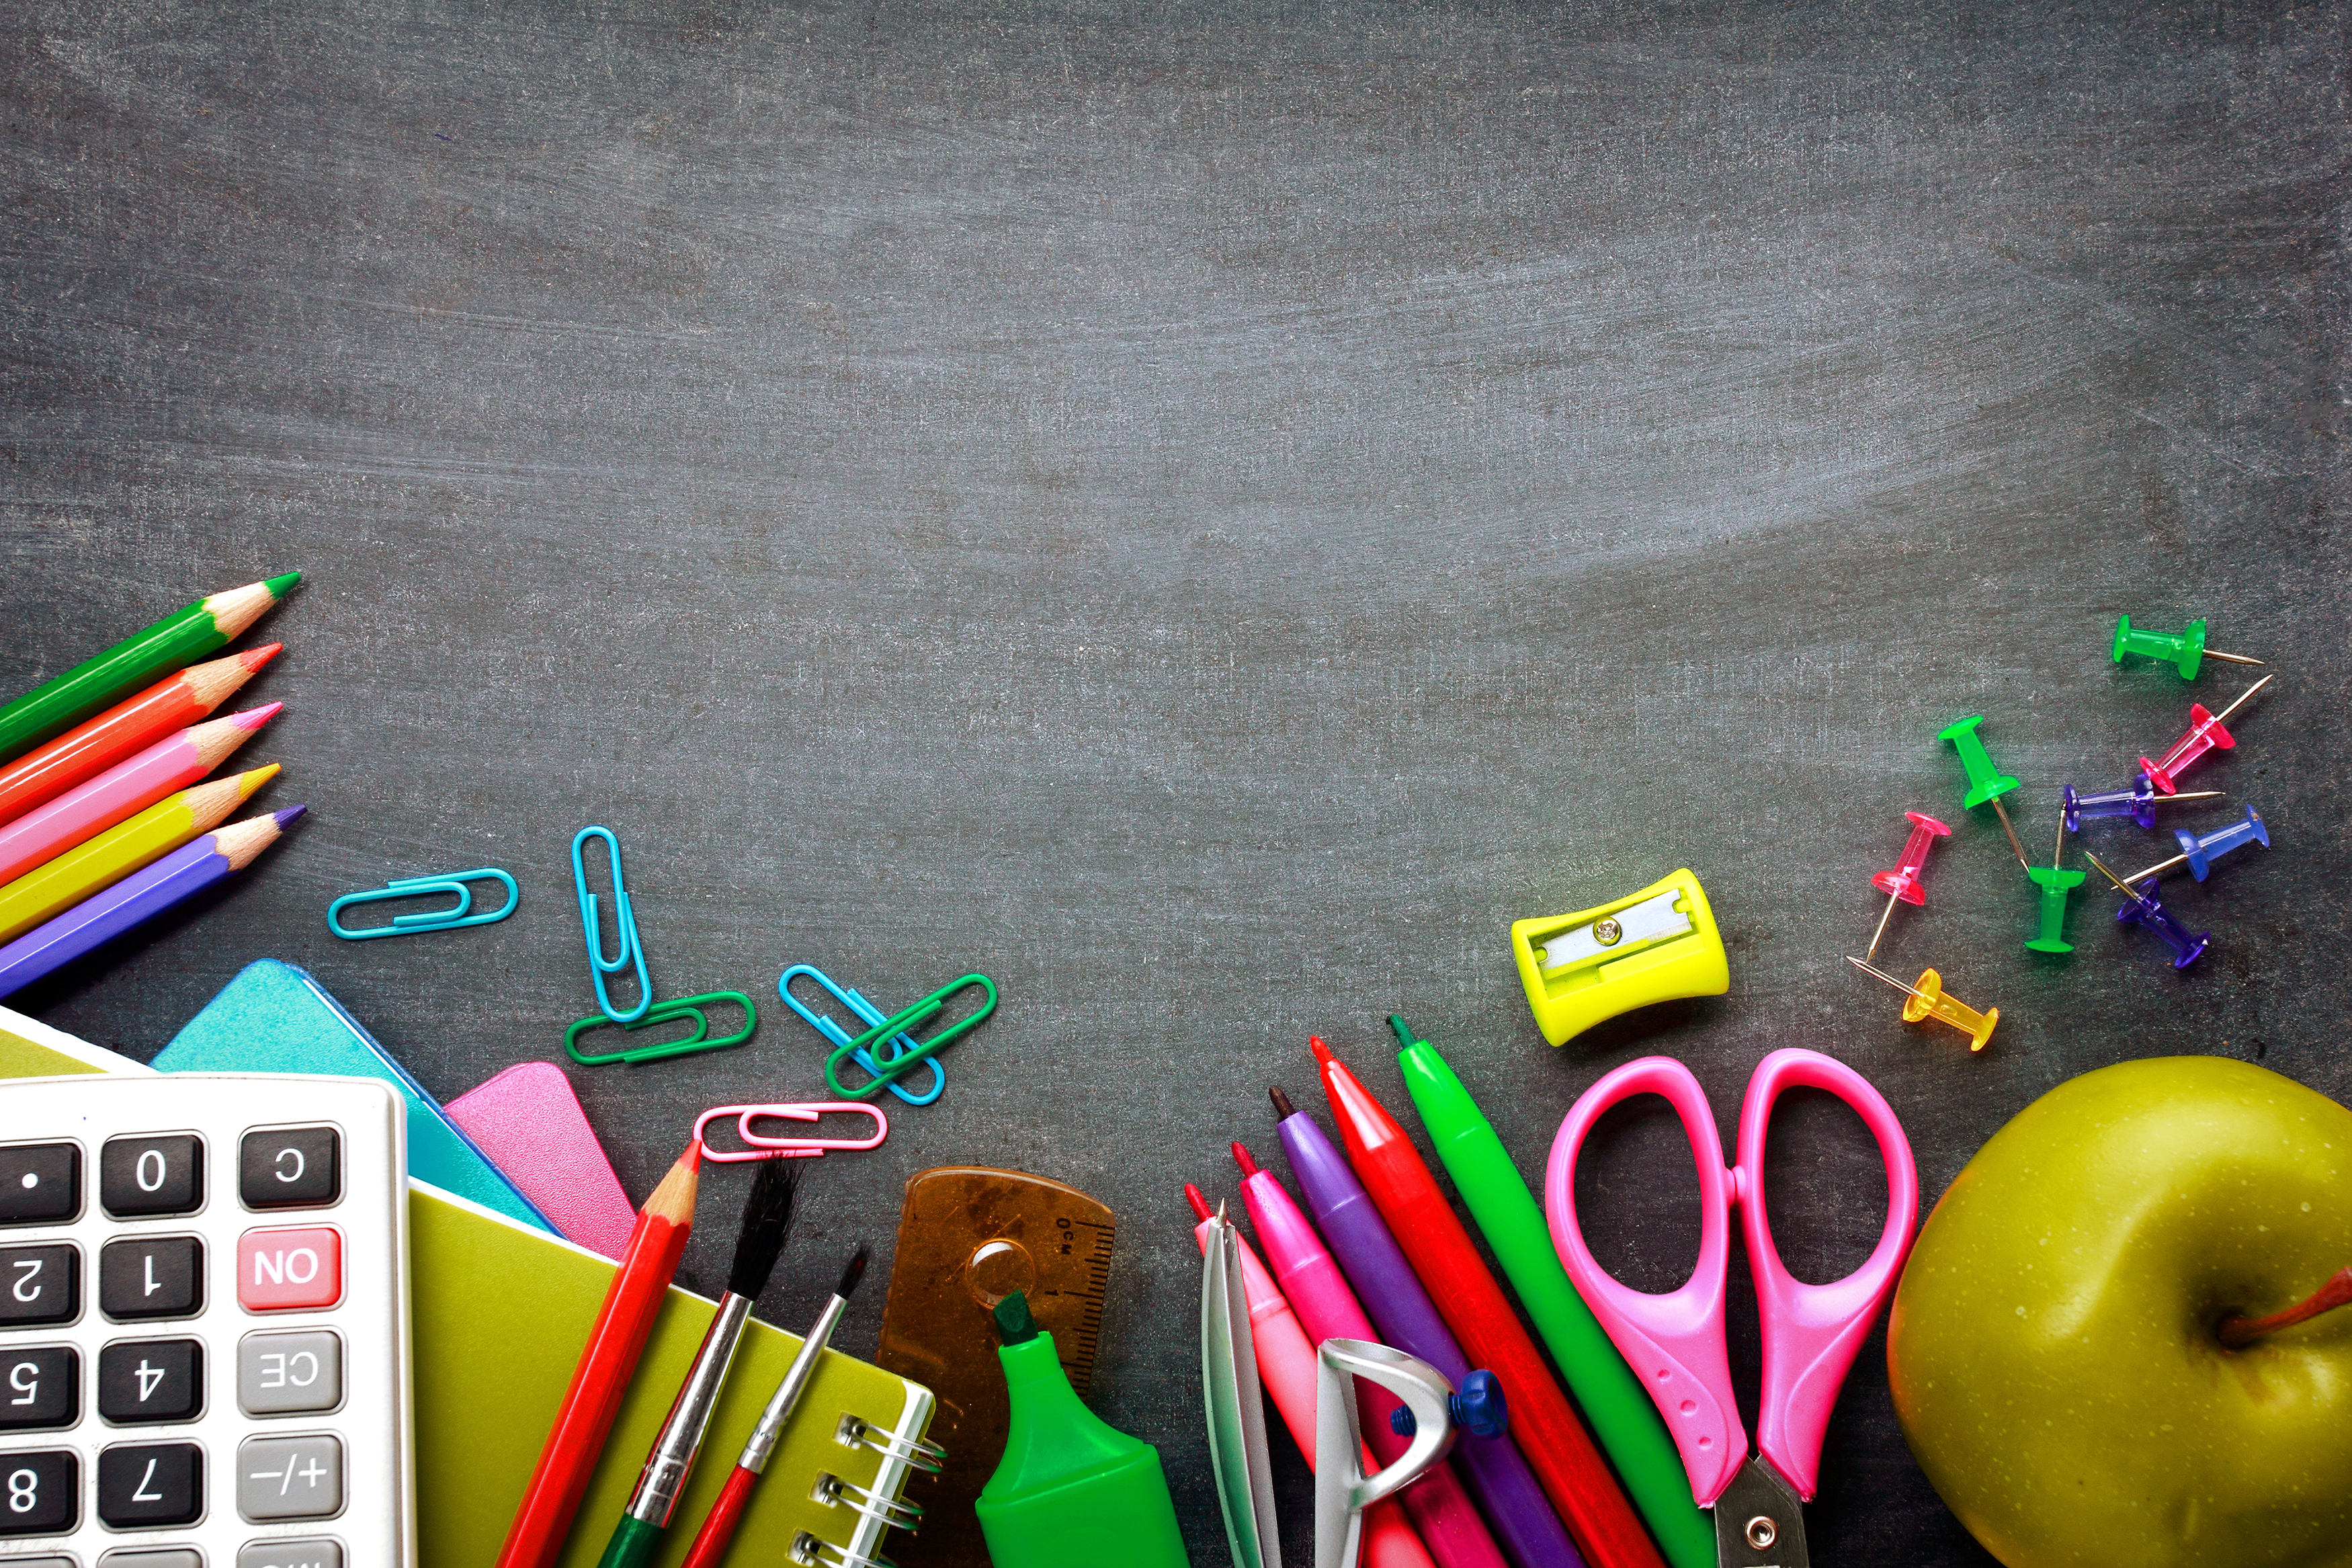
[{"x": 1927, "y": 996}]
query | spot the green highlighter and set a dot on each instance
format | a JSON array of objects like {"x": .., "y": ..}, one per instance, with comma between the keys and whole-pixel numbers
[
  {"x": 1071, "y": 1488},
  {"x": 1613, "y": 1402}
]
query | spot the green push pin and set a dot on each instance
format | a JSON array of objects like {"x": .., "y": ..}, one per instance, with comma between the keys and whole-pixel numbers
[
  {"x": 2055, "y": 885},
  {"x": 2183, "y": 651},
  {"x": 1986, "y": 785}
]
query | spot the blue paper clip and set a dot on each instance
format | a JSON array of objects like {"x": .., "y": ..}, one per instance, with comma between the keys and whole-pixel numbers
[
  {"x": 625, "y": 919},
  {"x": 891, "y": 1050},
  {"x": 430, "y": 919}
]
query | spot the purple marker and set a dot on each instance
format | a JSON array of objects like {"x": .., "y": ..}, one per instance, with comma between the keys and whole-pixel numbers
[
  {"x": 1524, "y": 1524},
  {"x": 139, "y": 897}
]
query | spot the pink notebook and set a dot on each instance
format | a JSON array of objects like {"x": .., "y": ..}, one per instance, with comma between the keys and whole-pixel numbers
[{"x": 529, "y": 1123}]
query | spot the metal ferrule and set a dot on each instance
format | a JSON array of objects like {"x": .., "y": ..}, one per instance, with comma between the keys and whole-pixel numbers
[
  {"x": 789, "y": 1392},
  {"x": 681, "y": 1439}
]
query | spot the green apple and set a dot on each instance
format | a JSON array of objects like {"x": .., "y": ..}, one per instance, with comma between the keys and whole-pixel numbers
[{"x": 2055, "y": 1347}]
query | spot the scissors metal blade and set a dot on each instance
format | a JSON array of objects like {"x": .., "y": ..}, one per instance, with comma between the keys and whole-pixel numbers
[
  {"x": 1236, "y": 1409},
  {"x": 1759, "y": 1522}
]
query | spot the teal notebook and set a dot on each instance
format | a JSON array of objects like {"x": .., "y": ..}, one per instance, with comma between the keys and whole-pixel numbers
[{"x": 274, "y": 1018}]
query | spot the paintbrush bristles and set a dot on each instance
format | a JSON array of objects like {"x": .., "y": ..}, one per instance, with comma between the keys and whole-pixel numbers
[
  {"x": 767, "y": 1220},
  {"x": 851, "y": 1272}
]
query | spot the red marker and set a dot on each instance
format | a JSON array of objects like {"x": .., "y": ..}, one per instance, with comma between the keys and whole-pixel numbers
[{"x": 1573, "y": 1472}]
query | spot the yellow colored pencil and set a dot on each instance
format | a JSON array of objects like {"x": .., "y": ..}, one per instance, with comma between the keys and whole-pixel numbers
[{"x": 57, "y": 886}]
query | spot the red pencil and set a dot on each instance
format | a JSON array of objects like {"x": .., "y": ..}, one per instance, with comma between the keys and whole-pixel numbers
[
  {"x": 1558, "y": 1449},
  {"x": 576, "y": 1441},
  {"x": 127, "y": 728}
]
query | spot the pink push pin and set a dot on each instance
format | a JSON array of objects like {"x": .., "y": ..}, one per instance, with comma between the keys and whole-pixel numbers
[
  {"x": 2205, "y": 733},
  {"x": 1902, "y": 882}
]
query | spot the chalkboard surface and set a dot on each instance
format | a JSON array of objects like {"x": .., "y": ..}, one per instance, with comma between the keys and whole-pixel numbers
[{"x": 1208, "y": 515}]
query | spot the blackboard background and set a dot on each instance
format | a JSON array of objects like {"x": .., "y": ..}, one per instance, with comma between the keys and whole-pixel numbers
[{"x": 1207, "y": 517}]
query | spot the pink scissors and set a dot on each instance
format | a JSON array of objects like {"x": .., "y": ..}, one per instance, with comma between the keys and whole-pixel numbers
[{"x": 1674, "y": 1342}]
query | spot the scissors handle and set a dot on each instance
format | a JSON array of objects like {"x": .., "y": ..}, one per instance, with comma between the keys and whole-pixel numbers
[
  {"x": 1672, "y": 1341},
  {"x": 1811, "y": 1333}
]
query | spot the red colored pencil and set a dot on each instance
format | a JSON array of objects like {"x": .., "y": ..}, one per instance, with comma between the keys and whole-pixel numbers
[
  {"x": 129, "y": 727},
  {"x": 576, "y": 1441},
  {"x": 1558, "y": 1450}
]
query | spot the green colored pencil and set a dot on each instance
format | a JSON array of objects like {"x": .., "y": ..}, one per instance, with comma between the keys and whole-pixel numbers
[
  {"x": 1615, "y": 1405},
  {"x": 172, "y": 644}
]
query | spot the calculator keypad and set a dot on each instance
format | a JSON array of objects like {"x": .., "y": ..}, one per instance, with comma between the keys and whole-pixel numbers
[
  {"x": 39, "y": 1285},
  {"x": 143, "y": 1485},
  {"x": 40, "y": 1386},
  {"x": 150, "y": 1380},
  {"x": 140, "y": 1177},
  {"x": 150, "y": 1277},
  {"x": 202, "y": 1336}
]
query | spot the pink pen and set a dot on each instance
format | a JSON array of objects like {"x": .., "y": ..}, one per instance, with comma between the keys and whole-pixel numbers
[
  {"x": 1286, "y": 1365},
  {"x": 1328, "y": 1309}
]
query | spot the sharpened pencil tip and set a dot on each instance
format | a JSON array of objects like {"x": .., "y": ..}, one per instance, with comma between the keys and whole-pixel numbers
[
  {"x": 253, "y": 719},
  {"x": 280, "y": 585},
  {"x": 254, "y": 658},
  {"x": 287, "y": 815},
  {"x": 248, "y": 782}
]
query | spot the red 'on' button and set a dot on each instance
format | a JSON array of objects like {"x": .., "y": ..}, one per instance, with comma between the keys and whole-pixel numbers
[{"x": 279, "y": 1269}]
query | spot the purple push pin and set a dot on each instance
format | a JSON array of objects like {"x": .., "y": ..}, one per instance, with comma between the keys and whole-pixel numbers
[
  {"x": 2198, "y": 854},
  {"x": 2138, "y": 803},
  {"x": 2140, "y": 908}
]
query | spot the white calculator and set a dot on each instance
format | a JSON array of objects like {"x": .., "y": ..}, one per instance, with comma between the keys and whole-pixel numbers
[{"x": 204, "y": 1323}]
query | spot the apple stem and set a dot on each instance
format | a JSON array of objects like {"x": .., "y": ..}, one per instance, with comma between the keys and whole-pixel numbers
[{"x": 2236, "y": 1333}]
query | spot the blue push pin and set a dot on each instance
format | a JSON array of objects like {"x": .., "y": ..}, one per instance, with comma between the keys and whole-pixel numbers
[
  {"x": 2138, "y": 802},
  {"x": 1478, "y": 1409},
  {"x": 2198, "y": 854},
  {"x": 2140, "y": 908}
]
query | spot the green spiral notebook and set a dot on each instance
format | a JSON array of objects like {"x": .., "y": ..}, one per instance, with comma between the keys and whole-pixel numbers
[{"x": 500, "y": 1312}]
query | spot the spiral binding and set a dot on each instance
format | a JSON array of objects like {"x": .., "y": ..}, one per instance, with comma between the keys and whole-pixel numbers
[
  {"x": 894, "y": 1511},
  {"x": 812, "y": 1553},
  {"x": 855, "y": 1432}
]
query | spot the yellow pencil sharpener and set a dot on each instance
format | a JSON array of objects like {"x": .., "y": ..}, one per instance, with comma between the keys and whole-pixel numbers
[{"x": 1653, "y": 946}]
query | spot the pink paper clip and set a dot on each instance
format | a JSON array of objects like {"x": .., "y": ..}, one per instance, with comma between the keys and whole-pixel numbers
[{"x": 758, "y": 1146}]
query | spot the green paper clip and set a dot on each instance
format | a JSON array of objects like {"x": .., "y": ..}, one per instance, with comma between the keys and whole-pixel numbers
[
  {"x": 665, "y": 1012},
  {"x": 906, "y": 1021}
]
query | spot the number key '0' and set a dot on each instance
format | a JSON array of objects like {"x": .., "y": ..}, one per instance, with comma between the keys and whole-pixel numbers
[{"x": 279, "y": 1271}]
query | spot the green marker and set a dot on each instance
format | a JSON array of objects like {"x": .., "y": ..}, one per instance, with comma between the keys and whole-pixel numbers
[
  {"x": 1071, "y": 1488},
  {"x": 1613, "y": 1402}
]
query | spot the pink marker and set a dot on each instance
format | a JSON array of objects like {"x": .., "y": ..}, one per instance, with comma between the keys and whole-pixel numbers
[
  {"x": 2204, "y": 734},
  {"x": 1286, "y": 1365},
  {"x": 124, "y": 791},
  {"x": 1328, "y": 1309}
]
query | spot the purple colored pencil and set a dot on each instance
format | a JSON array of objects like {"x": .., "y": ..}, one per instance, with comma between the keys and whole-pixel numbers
[
  {"x": 138, "y": 898},
  {"x": 1525, "y": 1525}
]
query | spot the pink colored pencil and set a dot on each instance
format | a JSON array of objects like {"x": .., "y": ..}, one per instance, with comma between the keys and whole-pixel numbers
[
  {"x": 1327, "y": 1309},
  {"x": 124, "y": 789},
  {"x": 1286, "y": 1365}
]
